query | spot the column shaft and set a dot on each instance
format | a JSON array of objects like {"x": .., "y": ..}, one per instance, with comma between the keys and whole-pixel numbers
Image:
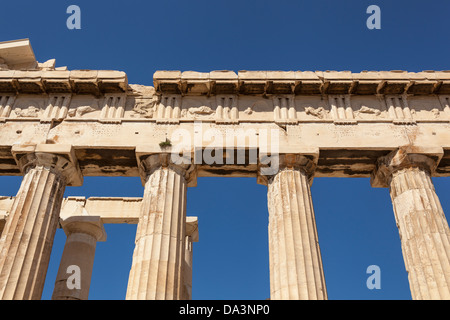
[
  {"x": 294, "y": 256},
  {"x": 424, "y": 233},
  {"x": 187, "y": 284},
  {"x": 158, "y": 259},
  {"x": 82, "y": 232},
  {"x": 191, "y": 237},
  {"x": 79, "y": 251},
  {"x": 27, "y": 239}
]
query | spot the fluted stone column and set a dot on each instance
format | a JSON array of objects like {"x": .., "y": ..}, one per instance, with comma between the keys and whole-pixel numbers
[
  {"x": 423, "y": 228},
  {"x": 27, "y": 239},
  {"x": 158, "y": 259},
  {"x": 191, "y": 237},
  {"x": 77, "y": 259},
  {"x": 296, "y": 271}
]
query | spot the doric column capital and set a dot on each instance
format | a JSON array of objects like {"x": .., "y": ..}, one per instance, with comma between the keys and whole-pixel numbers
[
  {"x": 305, "y": 160},
  {"x": 149, "y": 161},
  {"x": 425, "y": 158},
  {"x": 60, "y": 159},
  {"x": 91, "y": 225}
]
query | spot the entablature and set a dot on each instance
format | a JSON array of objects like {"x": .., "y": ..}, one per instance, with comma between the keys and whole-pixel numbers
[{"x": 352, "y": 118}]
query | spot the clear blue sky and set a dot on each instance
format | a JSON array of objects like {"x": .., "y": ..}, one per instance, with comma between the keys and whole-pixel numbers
[{"x": 140, "y": 37}]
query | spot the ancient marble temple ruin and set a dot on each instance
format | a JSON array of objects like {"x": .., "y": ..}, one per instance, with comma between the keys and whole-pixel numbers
[{"x": 58, "y": 126}]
